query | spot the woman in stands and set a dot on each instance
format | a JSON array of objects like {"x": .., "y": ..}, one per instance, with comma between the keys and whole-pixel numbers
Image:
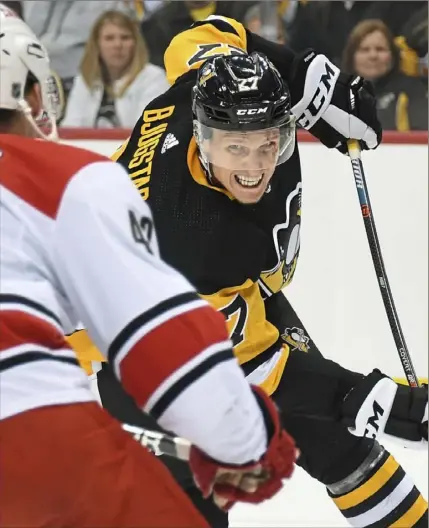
[
  {"x": 116, "y": 78},
  {"x": 402, "y": 101}
]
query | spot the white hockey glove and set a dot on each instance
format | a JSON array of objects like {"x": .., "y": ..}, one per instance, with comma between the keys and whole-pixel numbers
[{"x": 334, "y": 106}]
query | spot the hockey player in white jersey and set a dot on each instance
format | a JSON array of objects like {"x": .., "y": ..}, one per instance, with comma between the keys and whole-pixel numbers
[{"x": 78, "y": 244}]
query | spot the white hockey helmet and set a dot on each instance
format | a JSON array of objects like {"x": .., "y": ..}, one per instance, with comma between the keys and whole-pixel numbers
[{"x": 22, "y": 57}]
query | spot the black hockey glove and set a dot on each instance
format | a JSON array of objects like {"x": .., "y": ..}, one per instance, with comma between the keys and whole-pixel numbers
[
  {"x": 377, "y": 405},
  {"x": 333, "y": 106}
]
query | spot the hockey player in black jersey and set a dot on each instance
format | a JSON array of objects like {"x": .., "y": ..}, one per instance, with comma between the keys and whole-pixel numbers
[{"x": 217, "y": 160}]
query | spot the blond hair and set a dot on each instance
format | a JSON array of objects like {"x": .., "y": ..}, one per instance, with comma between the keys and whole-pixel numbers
[{"x": 91, "y": 67}]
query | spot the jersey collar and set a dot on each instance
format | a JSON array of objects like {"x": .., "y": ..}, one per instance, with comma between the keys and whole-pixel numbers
[{"x": 197, "y": 171}]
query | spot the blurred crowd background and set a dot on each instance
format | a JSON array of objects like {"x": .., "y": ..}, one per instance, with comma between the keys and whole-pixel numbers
[{"x": 109, "y": 53}]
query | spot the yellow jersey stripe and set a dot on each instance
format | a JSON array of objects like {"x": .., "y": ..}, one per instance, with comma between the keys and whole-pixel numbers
[
  {"x": 411, "y": 517},
  {"x": 189, "y": 49},
  {"x": 371, "y": 486},
  {"x": 119, "y": 151}
]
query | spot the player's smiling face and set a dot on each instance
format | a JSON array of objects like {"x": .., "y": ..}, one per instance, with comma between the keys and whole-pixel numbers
[{"x": 244, "y": 162}]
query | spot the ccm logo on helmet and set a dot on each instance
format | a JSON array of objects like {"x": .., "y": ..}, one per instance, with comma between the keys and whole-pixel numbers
[{"x": 252, "y": 111}]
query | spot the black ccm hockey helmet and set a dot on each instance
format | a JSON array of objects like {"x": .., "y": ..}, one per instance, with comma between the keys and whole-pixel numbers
[{"x": 243, "y": 95}]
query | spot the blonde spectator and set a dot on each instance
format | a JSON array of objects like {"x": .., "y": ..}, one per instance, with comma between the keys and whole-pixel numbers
[
  {"x": 63, "y": 27},
  {"x": 116, "y": 79},
  {"x": 402, "y": 101}
]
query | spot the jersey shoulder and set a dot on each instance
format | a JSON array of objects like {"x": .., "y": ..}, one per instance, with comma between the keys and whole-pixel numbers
[
  {"x": 213, "y": 36},
  {"x": 38, "y": 171},
  {"x": 160, "y": 136}
]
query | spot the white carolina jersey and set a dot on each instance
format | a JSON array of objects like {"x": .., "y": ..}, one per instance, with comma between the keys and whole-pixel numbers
[{"x": 78, "y": 244}]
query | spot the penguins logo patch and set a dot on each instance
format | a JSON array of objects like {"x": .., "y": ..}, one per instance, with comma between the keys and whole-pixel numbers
[{"x": 296, "y": 338}]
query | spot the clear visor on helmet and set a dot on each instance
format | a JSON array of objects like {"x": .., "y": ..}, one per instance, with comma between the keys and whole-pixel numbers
[{"x": 251, "y": 150}]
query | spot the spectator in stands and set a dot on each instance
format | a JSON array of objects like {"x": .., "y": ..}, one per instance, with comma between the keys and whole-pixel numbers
[
  {"x": 116, "y": 80},
  {"x": 265, "y": 19},
  {"x": 145, "y": 8},
  {"x": 174, "y": 17},
  {"x": 413, "y": 43},
  {"x": 402, "y": 101},
  {"x": 288, "y": 10},
  {"x": 326, "y": 26},
  {"x": 63, "y": 26}
]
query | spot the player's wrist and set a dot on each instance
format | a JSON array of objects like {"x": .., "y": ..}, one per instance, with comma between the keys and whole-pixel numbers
[{"x": 257, "y": 480}]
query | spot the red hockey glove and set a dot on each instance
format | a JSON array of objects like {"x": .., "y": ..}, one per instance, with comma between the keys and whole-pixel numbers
[{"x": 253, "y": 482}]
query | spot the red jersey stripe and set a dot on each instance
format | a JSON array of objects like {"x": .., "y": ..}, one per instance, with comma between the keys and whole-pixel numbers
[
  {"x": 38, "y": 171},
  {"x": 19, "y": 328},
  {"x": 167, "y": 348}
]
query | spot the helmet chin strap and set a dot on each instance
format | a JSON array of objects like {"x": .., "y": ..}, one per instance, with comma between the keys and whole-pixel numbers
[
  {"x": 211, "y": 177},
  {"x": 25, "y": 108},
  {"x": 207, "y": 169}
]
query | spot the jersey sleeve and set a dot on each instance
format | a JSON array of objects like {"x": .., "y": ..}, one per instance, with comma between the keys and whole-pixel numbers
[
  {"x": 86, "y": 351},
  {"x": 166, "y": 345},
  {"x": 119, "y": 151},
  {"x": 213, "y": 36},
  {"x": 219, "y": 35}
]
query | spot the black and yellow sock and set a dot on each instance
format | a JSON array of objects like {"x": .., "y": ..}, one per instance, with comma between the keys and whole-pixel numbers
[{"x": 384, "y": 497}]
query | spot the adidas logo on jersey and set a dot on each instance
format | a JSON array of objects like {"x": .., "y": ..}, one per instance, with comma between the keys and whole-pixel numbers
[{"x": 170, "y": 141}]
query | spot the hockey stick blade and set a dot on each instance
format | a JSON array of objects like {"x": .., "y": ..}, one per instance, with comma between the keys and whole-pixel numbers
[
  {"x": 377, "y": 259},
  {"x": 160, "y": 443}
]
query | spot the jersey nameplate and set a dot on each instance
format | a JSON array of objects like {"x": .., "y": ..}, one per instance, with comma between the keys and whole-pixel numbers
[{"x": 151, "y": 133}]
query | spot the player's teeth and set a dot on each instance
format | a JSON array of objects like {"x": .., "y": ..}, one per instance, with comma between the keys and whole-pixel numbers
[{"x": 249, "y": 182}]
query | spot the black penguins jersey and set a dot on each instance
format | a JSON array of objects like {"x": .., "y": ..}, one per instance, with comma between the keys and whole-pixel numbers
[{"x": 236, "y": 255}]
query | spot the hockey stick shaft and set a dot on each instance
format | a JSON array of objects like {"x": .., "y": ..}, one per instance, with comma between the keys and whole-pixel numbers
[
  {"x": 160, "y": 443},
  {"x": 377, "y": 258}
]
